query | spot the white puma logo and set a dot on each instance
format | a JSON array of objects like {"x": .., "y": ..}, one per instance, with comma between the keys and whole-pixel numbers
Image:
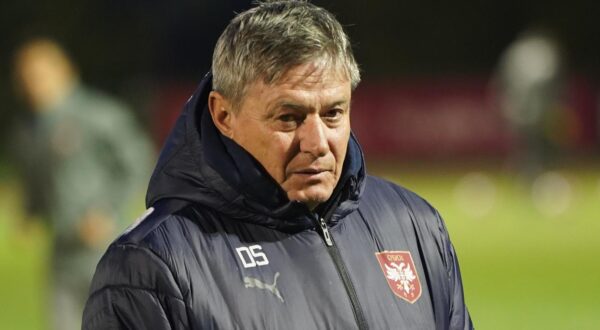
[{"x": 251, "y": 282}]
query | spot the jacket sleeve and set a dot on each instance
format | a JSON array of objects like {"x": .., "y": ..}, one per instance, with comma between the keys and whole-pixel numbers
[
  {"x": 459, "y": 315},
  {"x": 134, "y": 289}
]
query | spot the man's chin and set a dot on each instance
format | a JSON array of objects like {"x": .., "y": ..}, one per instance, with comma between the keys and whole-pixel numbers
[{"x": 312, "y": 199}]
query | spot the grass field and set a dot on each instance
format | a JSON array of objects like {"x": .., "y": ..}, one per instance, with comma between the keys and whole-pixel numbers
[{"x": 529, "y": 261}]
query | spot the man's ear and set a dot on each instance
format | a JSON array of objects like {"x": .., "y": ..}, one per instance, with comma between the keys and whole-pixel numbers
[{"x": 220, "y": 111}]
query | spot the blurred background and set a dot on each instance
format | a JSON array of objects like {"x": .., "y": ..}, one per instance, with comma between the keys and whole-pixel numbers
[{"x": 488, "y": 109}]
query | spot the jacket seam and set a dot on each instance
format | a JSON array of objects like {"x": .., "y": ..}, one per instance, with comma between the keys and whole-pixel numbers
[
  {"x": 160, "y": 258},
  {"x": 370, "y": 230},
  {"x": 154, "y": 255},
  {"x": 132, "y": 287}
]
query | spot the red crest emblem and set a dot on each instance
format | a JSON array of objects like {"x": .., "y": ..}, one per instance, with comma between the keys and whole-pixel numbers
[{"x": 400, "y": 272}]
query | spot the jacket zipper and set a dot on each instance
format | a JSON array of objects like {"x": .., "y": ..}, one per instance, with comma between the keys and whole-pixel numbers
[{"x": 343, "y": 272}]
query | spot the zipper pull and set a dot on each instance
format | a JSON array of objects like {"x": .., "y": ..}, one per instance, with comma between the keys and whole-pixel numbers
[{"x": 325, "y": 232}]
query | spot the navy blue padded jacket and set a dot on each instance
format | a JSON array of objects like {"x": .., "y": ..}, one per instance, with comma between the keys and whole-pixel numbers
[{"x": 223, "y": 248}]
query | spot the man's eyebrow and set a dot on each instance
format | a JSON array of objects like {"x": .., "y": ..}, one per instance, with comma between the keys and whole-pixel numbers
[
  {"x": 337, "y": 104},
  {"x": 300, "y": 107},
  {"x": 293, "y": 106}
]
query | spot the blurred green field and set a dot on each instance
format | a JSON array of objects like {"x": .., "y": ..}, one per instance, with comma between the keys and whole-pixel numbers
[{"x": 528, "y": 261}]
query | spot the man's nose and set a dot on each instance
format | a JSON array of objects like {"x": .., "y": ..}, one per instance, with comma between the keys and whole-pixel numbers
[{"x": 313, "y": 136}]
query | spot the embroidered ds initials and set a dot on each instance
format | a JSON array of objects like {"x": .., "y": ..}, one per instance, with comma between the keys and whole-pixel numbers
[{"x": 252, "y": 256}]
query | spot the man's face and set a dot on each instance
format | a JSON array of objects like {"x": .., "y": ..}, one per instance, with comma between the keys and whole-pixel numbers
[{"x": 298, "y": 129}]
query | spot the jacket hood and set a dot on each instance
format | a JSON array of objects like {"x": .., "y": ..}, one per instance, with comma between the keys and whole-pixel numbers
[{"x": 199, "y": 165}]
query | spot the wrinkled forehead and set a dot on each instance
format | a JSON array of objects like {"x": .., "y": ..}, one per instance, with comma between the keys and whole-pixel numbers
[
  {"x": 309, "y": 82},
  {"x": 319, "y": 72}
]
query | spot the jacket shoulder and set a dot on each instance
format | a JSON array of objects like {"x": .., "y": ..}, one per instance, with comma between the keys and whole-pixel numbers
[
  {"x": 158, "y": 215},
  {"x": 384, "y": 192},
  {"x": 386, "y": 202},
  {"x": 135, "y": 271},
  {"x": 142, "y": 257}
]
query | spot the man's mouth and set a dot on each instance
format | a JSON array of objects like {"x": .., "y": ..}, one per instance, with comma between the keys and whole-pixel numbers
[{"x": 311, "y": 171}]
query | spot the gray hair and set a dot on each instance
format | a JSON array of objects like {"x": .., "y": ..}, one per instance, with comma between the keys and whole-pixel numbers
[{"x": 268, "y": 40}]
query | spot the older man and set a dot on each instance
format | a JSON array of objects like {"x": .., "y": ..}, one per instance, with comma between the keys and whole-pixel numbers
[{"x": 261, "y": 215}]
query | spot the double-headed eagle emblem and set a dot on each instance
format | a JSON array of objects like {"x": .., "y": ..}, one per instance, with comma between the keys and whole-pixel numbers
[
  {"x": 401, "y": 273},
  {"x": 399, "y": 270}
]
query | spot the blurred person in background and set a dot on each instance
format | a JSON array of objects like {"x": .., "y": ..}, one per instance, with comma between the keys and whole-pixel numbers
[
  {"x": 530, "y": 83},
  {"x": 82, "y": 158}
]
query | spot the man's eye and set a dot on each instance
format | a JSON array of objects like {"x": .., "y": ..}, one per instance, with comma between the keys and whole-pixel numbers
[
  {"x": 334, "y": 113},
  {"x": 287, "y": 118}
]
